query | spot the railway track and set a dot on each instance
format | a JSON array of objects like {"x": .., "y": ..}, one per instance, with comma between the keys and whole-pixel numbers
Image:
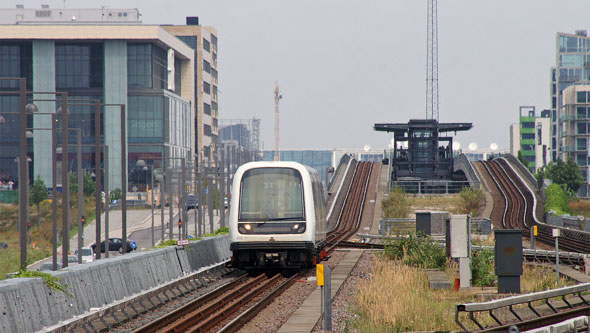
[
  {"x": 236, "y": 299},
  {"x": 517, "y": 211}
]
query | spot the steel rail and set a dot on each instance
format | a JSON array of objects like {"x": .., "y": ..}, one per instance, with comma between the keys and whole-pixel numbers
[
  {"x": 247, "y": 315},
  {"x": 501, "y": 190},
  {"x": 171, "y": 317},
  {"x": 524, "y": 200}
]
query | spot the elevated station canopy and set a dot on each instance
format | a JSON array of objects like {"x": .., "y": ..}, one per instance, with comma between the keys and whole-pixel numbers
[{"x": 420, "y": 151}]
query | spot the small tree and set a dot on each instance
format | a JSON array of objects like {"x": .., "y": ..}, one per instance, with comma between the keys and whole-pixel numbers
[
  {"x": 38, "y": 194},
  {"x": 73, "y": 183},
  {"x": 522, "y": 159},
  {"x": 89, "y": 185},
  {"x": 567, "y": 174},
  {"x": 116, "y": 194},
  {"x": 472, "y": 199}
]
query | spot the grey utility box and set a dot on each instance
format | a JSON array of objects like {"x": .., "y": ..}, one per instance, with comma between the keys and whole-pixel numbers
[
  {"x": 423, "y": 220},
  {"x": 431, "y": 223},
  {"x": 508, "y": 259}
]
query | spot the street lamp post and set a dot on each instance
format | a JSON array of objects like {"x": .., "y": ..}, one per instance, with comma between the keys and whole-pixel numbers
[{"x": 141, "y": 163}]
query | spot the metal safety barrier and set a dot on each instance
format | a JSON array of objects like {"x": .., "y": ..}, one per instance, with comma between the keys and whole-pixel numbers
[
  {"x": 528, "y": 299},
  {"x": 431, "y": 186}
]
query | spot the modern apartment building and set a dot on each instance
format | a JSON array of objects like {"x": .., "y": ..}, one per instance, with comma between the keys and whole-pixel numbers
[
  {"x": 108, "y": 54},
  {"x": 572, "y": 53},
  {"x": 532, "y": 137},
  {"x": 576, "y": 130},
  {"x": 203, "y": 40}
]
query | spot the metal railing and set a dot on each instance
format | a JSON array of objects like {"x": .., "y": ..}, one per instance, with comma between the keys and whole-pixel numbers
[
  {"x": 431, "y": 186},
  {"x": 392, "y": 226},
  {"x": 509, "y": 302}
]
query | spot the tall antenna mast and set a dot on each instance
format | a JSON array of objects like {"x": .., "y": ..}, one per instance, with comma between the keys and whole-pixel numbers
[
  {"x": 432, "y": 61},
  {"x": 277, "y": 133}
]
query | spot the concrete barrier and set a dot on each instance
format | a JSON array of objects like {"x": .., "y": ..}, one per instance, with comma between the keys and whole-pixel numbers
[{"x": 28, "y": 305}]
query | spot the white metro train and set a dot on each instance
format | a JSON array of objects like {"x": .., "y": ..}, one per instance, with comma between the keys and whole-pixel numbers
[{"x": 277, "y": 216}]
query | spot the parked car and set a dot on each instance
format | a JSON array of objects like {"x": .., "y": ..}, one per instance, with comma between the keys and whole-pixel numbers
[
  {"x": 191, "y": 202},
  {"x": 87, "y": 255},
  {"x": 48, "y": 266},
  {"x": 115, "y": 244}
]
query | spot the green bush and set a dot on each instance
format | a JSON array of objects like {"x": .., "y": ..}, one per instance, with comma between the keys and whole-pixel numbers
[
  {"x": 472, "y": 199},
  {"x": 482, "y": 268},
  {"x": 417, "y": 251},
  {"x": 396, "y": 205},
  {"x": 556, "y": 199}
]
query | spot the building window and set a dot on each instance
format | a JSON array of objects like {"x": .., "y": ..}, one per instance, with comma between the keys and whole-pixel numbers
[
  {"x": 528, "y": 124},
  {"x": 16, "y": 60},
  {"x": 207, "y": 130},
  {"x": 539, "y": 133},
  {"x": 206, "y": 45},
  {"x": 581, "y": 97},
  {"x": 145, "y": 119},
  {"x": 581, "y": 144},
  {"x": 206, "y": 66},
  {"x": 214, "y": 40},
  {"x": 177, "y": 76},
  {"x": 139, "y": 65},
  {"x": 206, "y": 108},
  {"x": 581, "y": 159},
  {"x": 206, "y": 88},
  {"x": 79, "y": 65},
  {"x": 214, "y": 73},
  {"x": 160, "y": 68},
  {"x": 528, "y": 136},
  {"x": 581, "y": 128}
]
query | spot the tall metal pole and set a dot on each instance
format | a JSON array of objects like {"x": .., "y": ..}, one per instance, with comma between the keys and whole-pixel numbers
[
  {"x": 97, "y": 191},
  {"x": 170, "y": 205},
  {"x": 65, "y": 182},
  {"x": 22, "y": 173},
  {"x": 210, "y": 199},
  {"x": 80, "y": 192},
  {"x": 277, "y": 122},
  {"x": 182, "y": 199},
  {"x": 54, "y": 185},
  {"x": 152, "y": 184},
  {"x": 107, "y": 245},
  {"x": 124, "y": 176},
  {"x": 432, "y": 61},
  {"x": 162, "y": 205},
  {"x": 201, "y": 200},
  {"x": 222, "y": 188}
]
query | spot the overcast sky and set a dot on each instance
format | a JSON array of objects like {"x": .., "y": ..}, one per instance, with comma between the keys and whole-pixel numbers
[{"x": 344, "y": 65}]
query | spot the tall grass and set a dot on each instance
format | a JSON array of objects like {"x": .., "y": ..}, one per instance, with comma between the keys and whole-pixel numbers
[
  {"x": 40, "y": 235},
  {"x": 579, "y": 207},
  {"x": 472, "y": 200},
  {"x": 398, "y": 298},
  {"x": 396, "y": 205}
]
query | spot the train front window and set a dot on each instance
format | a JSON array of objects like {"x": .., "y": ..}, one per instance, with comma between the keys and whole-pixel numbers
[{"x": 271, "y": 194}]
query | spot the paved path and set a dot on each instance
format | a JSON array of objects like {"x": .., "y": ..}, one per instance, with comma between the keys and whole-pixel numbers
[
  {"x": 139, "y": 224},
  {"x": 308, "y": 314}
]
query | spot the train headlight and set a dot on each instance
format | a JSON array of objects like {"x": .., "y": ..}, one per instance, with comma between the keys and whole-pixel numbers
[
  {"x": 244, "y": 228},
  {"x": 299, "y": 228}
]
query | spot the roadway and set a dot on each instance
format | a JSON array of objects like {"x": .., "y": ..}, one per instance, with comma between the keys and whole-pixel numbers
[{"x": 139, "y": 224}]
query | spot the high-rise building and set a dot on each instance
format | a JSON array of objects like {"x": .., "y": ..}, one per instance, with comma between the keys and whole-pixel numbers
[
  {"x": 108, "y": 54},
  {"x": 572, "y": 55},
  {"x": 203, "y": 40},
  {"x": 531, "y": 136},
  {"x": 576, "y": 130},
  {"x": 241, "y": 132}
]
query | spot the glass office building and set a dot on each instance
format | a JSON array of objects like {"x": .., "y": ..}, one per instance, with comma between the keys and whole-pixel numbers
[{"x": 145, "y": 68}]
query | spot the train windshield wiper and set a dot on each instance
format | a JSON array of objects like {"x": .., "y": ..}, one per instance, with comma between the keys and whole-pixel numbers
[
  {"x": 285, "y": 219},
  {"x": 274, "y": 219}
]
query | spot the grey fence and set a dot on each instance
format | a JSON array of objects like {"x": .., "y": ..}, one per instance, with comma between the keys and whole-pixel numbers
[
  {"x": 394, "y": 226},
  {"x": 431, "y": 186}
]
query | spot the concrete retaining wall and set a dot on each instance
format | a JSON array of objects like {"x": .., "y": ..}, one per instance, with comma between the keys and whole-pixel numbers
[{"x": 28, "y": 305}]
